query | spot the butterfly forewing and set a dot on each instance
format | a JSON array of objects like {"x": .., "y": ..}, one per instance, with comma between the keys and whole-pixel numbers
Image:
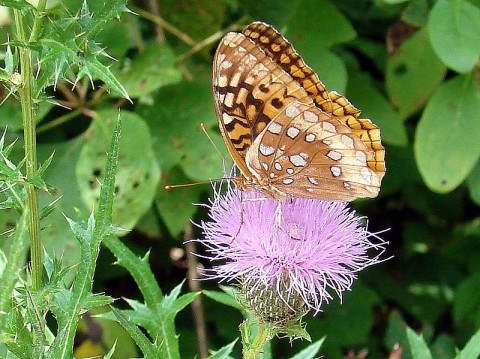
[
  {"x": 287, "y": 134},
  {"x": 283, "y": 53}
]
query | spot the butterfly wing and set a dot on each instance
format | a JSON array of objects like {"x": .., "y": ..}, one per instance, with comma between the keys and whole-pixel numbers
[
  {"x": 305, "y": 152},
  {"x": 249, "y": 90}
]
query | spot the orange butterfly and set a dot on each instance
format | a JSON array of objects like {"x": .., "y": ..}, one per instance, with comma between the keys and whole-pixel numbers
[{"x": 286, "y": 133}]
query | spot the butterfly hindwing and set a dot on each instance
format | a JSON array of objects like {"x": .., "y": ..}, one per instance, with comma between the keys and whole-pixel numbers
[{"x": 306, "y": 152}]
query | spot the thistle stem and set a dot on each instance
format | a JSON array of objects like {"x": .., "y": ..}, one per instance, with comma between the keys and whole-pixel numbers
[
  {"x": 25, "y": 92},
  {"x": 250, "y": 351}
]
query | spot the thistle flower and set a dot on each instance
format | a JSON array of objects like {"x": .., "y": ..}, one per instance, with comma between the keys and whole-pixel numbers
[{"x": 287, "y": 257}]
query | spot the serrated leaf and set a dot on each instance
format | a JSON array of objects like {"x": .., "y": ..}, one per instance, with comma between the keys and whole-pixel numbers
[
  {"x": 454, "y": 27},
  {"x": 413, "y": 73},
  {"x": 140, "y": 339},
  {"x": 445, "y": 148},
  {"x": 418, "y": 347},
  {"x": 224, "y": 352}
]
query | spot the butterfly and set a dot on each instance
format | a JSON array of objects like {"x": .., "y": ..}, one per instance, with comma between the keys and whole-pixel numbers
[{"x": 287, "y": 134}]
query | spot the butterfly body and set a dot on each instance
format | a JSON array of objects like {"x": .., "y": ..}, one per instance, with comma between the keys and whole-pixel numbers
[{"x": 286, "y": 133}]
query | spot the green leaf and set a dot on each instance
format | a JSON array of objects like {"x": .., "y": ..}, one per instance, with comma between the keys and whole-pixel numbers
[
  {"x": 472, "y": 349},
  {"x": 413, "y": 73},
  {"x": 473, "y": 183},
  {"x": 364, "y": 95},
  {"x": 138, "y": 173},
  {"x": 11, "y": 265},
  {"x": 176, "y": 205},
  {"x": 454, "y": 27},
  {"x": 318, "y": 24},
  {"x": 223, "y": 298},
  {"x": 310, "y": 351},
  {"x": 418, "y": 346},
  {"x": 153, "y": 68},
  {"x": 138, "y": 268},
  {"x": 445, "y": 149},
  {"x": 17, "y": 4},
  {"x": 466, "y": 306},
  {"x": 140, "y": 339},
  {"x": 174, "y": 119},
  {"x": 224, "y": 352}
]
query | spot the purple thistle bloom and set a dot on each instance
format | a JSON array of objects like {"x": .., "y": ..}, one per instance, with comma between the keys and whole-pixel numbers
[{"x": 300, "y": 250}]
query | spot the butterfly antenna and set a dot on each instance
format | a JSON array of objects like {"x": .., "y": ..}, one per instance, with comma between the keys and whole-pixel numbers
[
  {"x": 172, "y": 186},
  {"x": 204, "y": 129}
]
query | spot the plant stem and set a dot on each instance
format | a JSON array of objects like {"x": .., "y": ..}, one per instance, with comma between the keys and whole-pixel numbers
[
  {"x": 25, "y": 92},
  {"x": 251, "y": 351}
]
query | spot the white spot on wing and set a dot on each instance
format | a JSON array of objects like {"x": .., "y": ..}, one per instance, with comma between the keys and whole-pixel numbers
[
  {"x": 222, "y": 81},
  {"x": 361, "y": 157},
  {"x": 265, "y": 166},
  {"x": 266, "y": 150},
  {"x": 292, "y": 111},
  {"x": 290, "y": 171},
  {"x": 313, "y": 180},
  {"x": 334, "y": 155},
  {"x": 336, "y": 171},
  {"x": 278, "y": 166},
  {"x": 366, "y": 174},
  {"x": 226, "y": 118},
  {"x": 327, "y": 126},
  {"x": 287, "y": 180},
  {"x": 348, "y": 141},
  {"x": 347, "y": 185},
  {"x": 310, "y": 116},
  {"x": 225, "y": 64},
  {"x": 299, "y": 160},
  {"x": 293, "y": 132},
  {"x": 310, "y": 137},
  {"x": 275, "y": 128}
]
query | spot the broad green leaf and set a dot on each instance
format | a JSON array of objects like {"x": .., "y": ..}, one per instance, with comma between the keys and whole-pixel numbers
[
  {"x": 138, "y": 173},
  {"x": 418, "y": 346},
  {"x": 313, "y": 28},
  {"x": 318, "y": 24},
  {"x": 365, "y": 96},
  {"x": 310, "y": 351},
  {"x": 412, "y": 74},
  {"x": 445, "y": 148},
  {"x": 174, "y": 118},
  {"x": 466, "y": 305},
  {"x": 416, "y": 13},
  {"x": 473, "y": 183},
  {"x": 472, "y": 349},
  {"x": 150, "y": 70},
  {"x": 454, "y": 26},
  {"x": 176, "y": 206}
]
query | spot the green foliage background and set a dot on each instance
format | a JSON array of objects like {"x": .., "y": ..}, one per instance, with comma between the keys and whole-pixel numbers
[{"x": 412, "y": 66}]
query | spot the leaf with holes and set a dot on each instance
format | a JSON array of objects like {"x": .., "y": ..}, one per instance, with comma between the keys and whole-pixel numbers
[{"x": 138, "y": 172}]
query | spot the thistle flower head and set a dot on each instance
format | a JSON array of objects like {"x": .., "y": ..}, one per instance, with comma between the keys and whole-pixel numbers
[{"x": 287, "y": 257}]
